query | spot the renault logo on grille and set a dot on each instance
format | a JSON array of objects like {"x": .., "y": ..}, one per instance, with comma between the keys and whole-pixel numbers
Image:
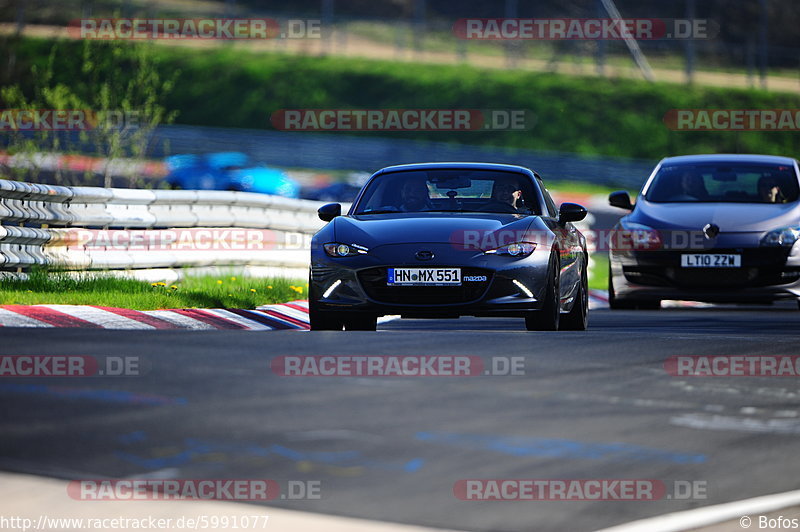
[
  {"x": 711, "y": 230},
  {"x": 424, "y": 255}
]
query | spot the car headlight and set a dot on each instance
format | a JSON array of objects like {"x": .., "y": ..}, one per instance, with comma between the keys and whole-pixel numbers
[
  {"x": 336, "y": 249},
  {"x": 785, "y": 236},
  {"x": 517, "y": 249},
  {"x": 641, "y": 237}
]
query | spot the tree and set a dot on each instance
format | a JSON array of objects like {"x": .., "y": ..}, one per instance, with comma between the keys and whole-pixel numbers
[{"x": 121, "y": 111}]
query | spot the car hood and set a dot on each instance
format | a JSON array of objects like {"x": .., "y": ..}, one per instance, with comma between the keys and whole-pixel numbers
[
  {"x": 730, "y": 217},
  {"x": 381, "y": 229}
]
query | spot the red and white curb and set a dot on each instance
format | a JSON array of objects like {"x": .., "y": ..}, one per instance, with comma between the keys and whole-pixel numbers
[{"x": 292, "y": 315}]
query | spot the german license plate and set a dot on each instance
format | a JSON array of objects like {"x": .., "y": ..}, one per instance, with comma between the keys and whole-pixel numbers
[
  {"x": 711, "y": 260},
  {"x": 424, "y": 276}
]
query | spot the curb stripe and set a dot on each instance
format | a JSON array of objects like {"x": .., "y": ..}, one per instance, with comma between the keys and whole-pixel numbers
[
  {"x": 53, "y": 317},
  {"x": 260, "y": 318},
  {"x": 106, "y": 320},
  {"x": 288, "y": 313},
  {"x": 9, "y": 318},
  {"x": 232, "y": 317},
  {"x": 297, "y": 307},
  {"x": 179, "y": 321},
  {"x": 139, "y": 316},
  {"x": 285, "y": 318},
  {"x": 210, "y": 319}
]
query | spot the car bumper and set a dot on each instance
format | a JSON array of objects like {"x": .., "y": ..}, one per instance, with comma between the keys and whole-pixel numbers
[
  {"x": 359, "y": 284},
  {"x": 766, "y": 274}
]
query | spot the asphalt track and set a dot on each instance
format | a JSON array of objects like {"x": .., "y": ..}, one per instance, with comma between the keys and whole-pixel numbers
[{"x": 591, "y": 405}]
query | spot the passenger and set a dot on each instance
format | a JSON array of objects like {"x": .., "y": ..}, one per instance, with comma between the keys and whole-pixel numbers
[{"x": 414, "y": 196}]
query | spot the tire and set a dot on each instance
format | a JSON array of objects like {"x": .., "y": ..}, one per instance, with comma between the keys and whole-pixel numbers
[
  {"x": 548, "y": 317},
  {"x": 578, "y": 317},
  {"x": 361, "y": 322},
  {"x": 320, "y": 320},
  {"x": 615, "y": 303}
]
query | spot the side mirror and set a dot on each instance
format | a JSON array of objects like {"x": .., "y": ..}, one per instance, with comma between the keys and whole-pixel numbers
[
  {"x": 620, "y": 199},
  {"x": 571, "y": 212},
  {"x": 329, "y": 211}
]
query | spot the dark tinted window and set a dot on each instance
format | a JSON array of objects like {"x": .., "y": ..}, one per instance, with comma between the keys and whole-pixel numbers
[
  {"x": 450, "y": 190},
  {"x": 741, "y": 183}
]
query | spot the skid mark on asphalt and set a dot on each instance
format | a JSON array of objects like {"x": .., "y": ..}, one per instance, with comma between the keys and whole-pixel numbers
[{"x": 560, "y": 448}]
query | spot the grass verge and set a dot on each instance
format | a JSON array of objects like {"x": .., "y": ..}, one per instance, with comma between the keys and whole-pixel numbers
[
  {"x": 598, "y": 276},
  {"x": 227, "y": 291}
]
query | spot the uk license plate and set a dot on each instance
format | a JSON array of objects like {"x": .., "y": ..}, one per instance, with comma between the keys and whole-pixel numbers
[
  {"x": 711, "y": 260},
  {"x": 424, "y": 277}
]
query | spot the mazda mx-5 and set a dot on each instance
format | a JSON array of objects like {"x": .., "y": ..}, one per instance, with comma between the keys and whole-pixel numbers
[{"x": 443, "y": 240}]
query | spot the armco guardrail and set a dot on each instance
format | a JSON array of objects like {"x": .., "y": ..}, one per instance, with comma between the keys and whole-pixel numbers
[{"x": 85, "y": 228}]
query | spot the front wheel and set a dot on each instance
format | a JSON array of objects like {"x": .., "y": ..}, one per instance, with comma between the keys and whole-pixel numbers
[
  {"x": 320, "y": 320},
  {"x": 548, "y": 317}
]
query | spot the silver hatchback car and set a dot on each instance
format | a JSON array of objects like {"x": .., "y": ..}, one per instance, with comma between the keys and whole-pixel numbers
[{"x": 716, "y": 228}]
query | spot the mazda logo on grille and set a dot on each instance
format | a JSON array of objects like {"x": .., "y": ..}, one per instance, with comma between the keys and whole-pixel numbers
[
  {"x": 711, "y": 230},
  {"x": 424, "y": 255}
]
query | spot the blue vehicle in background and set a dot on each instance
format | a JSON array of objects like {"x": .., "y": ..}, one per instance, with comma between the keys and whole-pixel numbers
[{"x": 228, "y": 171}]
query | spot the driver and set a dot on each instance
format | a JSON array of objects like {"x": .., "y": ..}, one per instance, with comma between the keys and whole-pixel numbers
[
  {"x": 508, "y": 193},
  {"x": 769, "y": 191},
  {"x": 414, "y": 196},
  {"x": 693, "y": 185}
]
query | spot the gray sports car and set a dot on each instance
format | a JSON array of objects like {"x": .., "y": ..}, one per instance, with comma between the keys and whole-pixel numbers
[
  {"x": 448, "y": 240},
  {"x": 716, "y": 228}
]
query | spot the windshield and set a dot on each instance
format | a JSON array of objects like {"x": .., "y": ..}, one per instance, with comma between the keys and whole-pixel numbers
[
  {"x": 724, "y": 182},
  {"x": 450, "y": 191}
]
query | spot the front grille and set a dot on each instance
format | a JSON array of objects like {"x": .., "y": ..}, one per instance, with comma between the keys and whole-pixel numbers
[
  {"x": 373, "y": 281},
  {"x": 760, "y": 267},
  {"x": 712, "y": 277}
]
